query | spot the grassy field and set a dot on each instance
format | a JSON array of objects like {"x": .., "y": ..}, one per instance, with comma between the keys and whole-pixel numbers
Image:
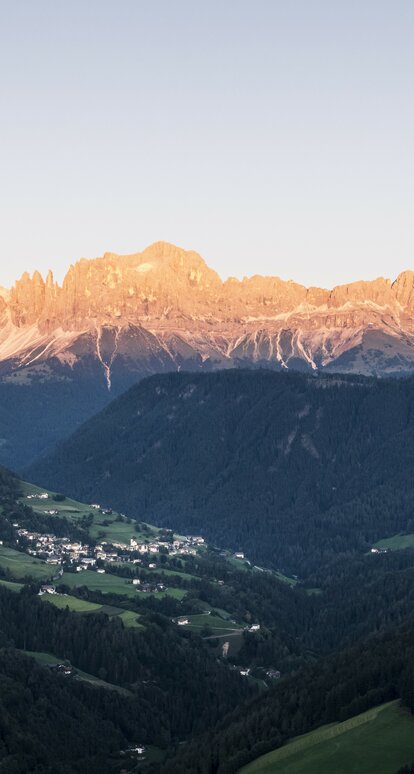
[
  {"x": 44, "y": 659},
  {"x": 170, "y": 573},
  {"x": 285, "y": 578},
  {"x": 396, "y": 542},
  {"x": 108, "y": 584},
  {"x": 119, "y": 531},
  {"x": 22, "y": 565},
  {"x": 170, "y": 592},
  {"x": 112, "y": 584},
  {"x": 73, "y": 509},
  {"x": 128, "y": 617},
  {"x": 216, "y": 624},
  {"x": 73, "y": 603},
  {"x": 379, "y": 741},
  {"x": 11, "y": 585}
]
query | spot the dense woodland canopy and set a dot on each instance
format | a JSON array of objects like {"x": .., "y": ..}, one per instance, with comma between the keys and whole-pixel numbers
[{"x": 293, "y": 469}]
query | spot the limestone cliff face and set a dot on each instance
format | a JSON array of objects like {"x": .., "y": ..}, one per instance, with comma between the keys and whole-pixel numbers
[{"x": 166, "y": 308}]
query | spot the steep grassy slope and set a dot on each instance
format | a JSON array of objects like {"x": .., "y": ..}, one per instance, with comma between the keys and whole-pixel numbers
[
  {"x": 378, "y": 741},
  {"x": 291, "y": 468}
]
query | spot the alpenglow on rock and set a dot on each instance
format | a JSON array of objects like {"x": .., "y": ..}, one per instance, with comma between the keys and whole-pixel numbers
[{"x": 165, "y": 309}]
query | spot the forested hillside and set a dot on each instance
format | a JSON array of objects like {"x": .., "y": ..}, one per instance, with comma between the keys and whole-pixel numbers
[
  {"x": 176, "y": 688},
  {"x": 293, "y": 469},
  {"x": 339, "y": 687}
]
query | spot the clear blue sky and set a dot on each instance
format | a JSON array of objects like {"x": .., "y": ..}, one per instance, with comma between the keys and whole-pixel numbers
[{"x": 272, "y": 136}]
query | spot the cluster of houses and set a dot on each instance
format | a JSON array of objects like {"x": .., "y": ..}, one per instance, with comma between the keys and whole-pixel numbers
[
  {"x": 57, "y": 550},
  {"x": 82, "y": 556}
]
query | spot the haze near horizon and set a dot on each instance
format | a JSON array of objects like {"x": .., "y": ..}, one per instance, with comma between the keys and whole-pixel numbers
[{"x": 270, "y": 138}]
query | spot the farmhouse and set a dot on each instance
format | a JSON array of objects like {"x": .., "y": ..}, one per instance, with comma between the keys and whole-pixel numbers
[
  {"x": 89, "y": 560},
  {"x": 53, "y": 559},
  {"x": 47, "y": 589},
  {"x": 274, "y": 674}
]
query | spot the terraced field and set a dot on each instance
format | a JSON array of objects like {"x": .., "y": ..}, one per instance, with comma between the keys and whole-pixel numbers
[{"x": 378, "y": 741}]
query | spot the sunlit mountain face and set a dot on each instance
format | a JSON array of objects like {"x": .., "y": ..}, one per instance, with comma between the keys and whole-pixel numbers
[{"x": 117, "y": 319}]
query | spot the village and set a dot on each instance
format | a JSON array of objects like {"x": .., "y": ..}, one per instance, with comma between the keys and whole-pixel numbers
[{"x": 76, "y": 556}]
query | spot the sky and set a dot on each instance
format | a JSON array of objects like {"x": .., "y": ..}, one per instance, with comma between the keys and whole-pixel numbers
[{"x": 271, "y": 136}]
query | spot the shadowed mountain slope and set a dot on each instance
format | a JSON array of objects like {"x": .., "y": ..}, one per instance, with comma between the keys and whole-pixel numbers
[{"x": 292, "y": 469}]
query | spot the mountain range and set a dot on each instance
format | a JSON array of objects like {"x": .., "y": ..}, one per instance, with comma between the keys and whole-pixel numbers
[
  {"x": 165, "y": 308},
  {"x": 117, "y": 319}
]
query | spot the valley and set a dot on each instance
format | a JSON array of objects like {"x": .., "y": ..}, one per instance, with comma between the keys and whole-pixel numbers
[
  {"x": 269, "y": 632},
  {"x": 206, "y": 457}
]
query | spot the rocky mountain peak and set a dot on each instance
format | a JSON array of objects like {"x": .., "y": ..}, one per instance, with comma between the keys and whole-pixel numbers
[{"x": 187, "y": 314}]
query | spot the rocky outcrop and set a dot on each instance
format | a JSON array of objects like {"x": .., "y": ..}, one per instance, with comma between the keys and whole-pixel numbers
[{"x": 165, "y": 309}]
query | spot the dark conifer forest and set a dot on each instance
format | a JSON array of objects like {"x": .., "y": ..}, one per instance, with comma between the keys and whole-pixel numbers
[{"x": 293, "y": 469}]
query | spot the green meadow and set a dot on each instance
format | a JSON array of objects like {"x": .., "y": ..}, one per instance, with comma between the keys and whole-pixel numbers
[
  {"x": 105, "y": 526},
  {"x": 378, "y": 741},
  {"x": 396, "y": 542},
  {"x": 73, "y": 603},
  {"x": 169, "y": 592},
  {"x": 46, "y": 659},
  {"x": 11, "y": 585},
  {"x": 76, "y": 605},
  {"x": 217, "y": 625},
  {"x": 21, "y": 565},
  {"x": 113, "y": 584},
  {"x": 108, "y": 584}
]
